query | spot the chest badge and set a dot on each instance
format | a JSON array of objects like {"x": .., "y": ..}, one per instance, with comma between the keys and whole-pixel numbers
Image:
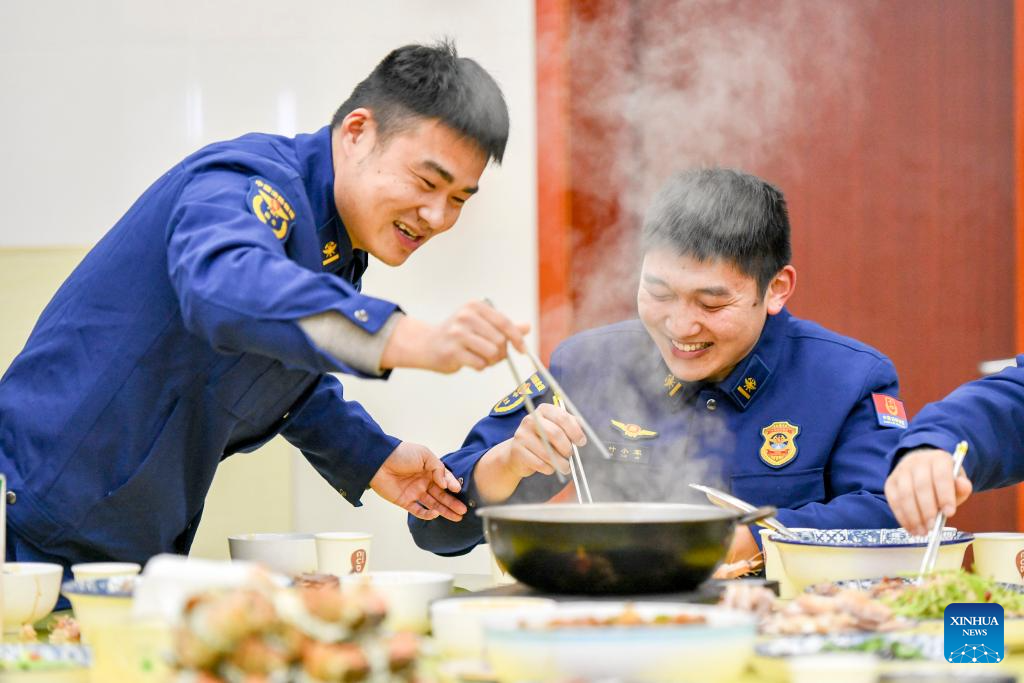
[
  {"x": 270, "y": 206},
  {"x": 779, "y": 446},
  {"x": 633, "y": 431}
]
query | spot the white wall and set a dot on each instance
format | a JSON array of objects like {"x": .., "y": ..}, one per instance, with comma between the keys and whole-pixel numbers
[{"x": 100, "y": 97}]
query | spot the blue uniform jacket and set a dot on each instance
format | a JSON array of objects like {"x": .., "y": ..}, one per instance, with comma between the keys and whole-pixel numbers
[
  {"x": 174, "y": 344},
  {"x": 795, "y": 425},
  {"x": 989, "y": 414}
]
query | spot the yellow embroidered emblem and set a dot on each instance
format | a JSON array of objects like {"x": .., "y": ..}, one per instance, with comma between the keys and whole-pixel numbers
[
  {"x": 749, "y": 387},
  {"x": 779, "y": 446},
  {"x": 268, "y": 205},
  {"x": 534, "y": 386},
  {"x": 673, "y": 384},
  {"x": 890, "y": 406},
  {"x": 330, "y": 252},
  {"x": 633, "y": 431}
]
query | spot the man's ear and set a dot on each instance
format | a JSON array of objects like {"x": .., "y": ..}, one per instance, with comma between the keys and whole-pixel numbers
[
  {"x": 780, "y": 289},
  {"x": 357, "y": 132}
]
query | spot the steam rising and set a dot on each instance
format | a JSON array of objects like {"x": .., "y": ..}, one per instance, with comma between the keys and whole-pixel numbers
[{"x": 674, "y": 85}]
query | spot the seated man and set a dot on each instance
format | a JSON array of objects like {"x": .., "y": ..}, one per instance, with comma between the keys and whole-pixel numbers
[
  {"x": 987, "y": 413},
  {"x": 715, "y": 383}
]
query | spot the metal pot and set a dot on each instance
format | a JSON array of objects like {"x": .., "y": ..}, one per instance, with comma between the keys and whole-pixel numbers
[{"x": 615, "y": 548}]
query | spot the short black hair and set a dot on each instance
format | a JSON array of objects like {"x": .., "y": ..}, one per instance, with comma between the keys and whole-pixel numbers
[
  {"x": 433, "y": 82},
  {"x": 721, "y": 213}
]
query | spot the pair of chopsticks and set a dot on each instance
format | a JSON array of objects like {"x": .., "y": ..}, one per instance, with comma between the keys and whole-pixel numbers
[
  {"x": 579, "y": 476},
  {"x": 931, "y": 553}
]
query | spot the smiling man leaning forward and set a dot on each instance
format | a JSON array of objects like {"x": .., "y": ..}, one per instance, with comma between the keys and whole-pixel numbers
[
  {"x": 715, "y": 383},
  {"x": 208, "y": 319}
]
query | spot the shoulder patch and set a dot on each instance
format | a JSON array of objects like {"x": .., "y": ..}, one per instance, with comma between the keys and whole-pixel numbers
[
  {"x": 270, "y": 206},
  {"x": 532, "y": 387},
  {"x": 890, "y": 411}
]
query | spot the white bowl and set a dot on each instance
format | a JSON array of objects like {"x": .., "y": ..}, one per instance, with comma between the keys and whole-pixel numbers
[
  {"x": 526, "y": 648},
  {"x": 826, "y": 555},
  {"x": 103, "y": 570},
  {"x": 288, "y": 553},
  {"x": 31, "y": 590},
  {"x": 456, "y": 624},
  {"x": 408, "y": 595}
]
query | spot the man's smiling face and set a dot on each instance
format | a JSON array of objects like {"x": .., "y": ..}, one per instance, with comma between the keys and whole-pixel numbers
[
  {"x": 705, "y": 317},
  {"x": 395, "y": 194}
]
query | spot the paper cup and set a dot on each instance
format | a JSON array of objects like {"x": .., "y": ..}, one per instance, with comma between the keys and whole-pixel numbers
[
  {"x": 1000, "y": 556},
  {"x": 343, "y": 552},
  {"x": 103, "y": 570},
  {"x": 773, "y": 570}
]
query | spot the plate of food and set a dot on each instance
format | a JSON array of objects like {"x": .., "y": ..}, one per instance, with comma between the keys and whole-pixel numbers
[
  {"x": 922, "y": 605},
  {"x": 666, "y": 641}
]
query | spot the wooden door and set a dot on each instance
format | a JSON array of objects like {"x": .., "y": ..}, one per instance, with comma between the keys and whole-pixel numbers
[{"x": 888, "y": 125}]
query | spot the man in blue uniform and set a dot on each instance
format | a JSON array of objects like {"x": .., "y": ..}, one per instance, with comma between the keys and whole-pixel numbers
[
  {"x": 989, "y": 414},
  {"x": 205, "y": 322},
  {"x": 715, "y": 383}
]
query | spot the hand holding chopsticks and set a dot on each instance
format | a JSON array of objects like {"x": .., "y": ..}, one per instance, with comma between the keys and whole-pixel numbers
[{"x": 935, "y": 537}]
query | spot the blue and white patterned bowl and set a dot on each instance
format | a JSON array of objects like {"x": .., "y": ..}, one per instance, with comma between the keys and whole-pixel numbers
[
  {"x": 874, "y": 538},
  {"x": 827, "y": 555},
  {"x": 40, "y": 662}
]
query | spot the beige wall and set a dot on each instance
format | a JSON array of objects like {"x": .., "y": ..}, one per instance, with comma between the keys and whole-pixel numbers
[{"x": 166, "y": 78}]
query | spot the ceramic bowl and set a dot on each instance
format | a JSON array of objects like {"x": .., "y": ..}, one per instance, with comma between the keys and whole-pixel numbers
[
  {"x": 827, "y": 555},
  {"x": 527, "y": 648},
  {"x": 97, "y": 602},
  {"x": 408, "y": 595},
  {"x": 31, "y": 590},
  {"x": 42, "y": 663},
  {"x": 288, "y": 553},
  {"x": 456, "y": 624},
  {"x": 103, "y": 570}
]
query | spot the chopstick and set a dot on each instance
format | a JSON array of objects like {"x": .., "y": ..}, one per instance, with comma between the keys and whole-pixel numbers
[
  {"x": 576, "y": 464},
  {"x": 546, "y": 375},
  {"x": 931, "y": 553},
  {"x": 532, "y": 410},
  {"x": 579, "y": 480}
]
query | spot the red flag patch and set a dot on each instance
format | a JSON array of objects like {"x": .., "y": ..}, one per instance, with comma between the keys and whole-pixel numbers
[{"x": 890, "y": 411}]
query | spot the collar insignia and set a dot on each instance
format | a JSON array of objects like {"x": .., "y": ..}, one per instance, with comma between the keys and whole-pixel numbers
[
  {"x": 633, "y": 431},
  {"x": 751, "y": 380},
  {"x": 330, "y": 252},
  {"x": 779, "y": 448},
  {"x": 672, "y": 384},
  {"x": 270, "y": 207}
]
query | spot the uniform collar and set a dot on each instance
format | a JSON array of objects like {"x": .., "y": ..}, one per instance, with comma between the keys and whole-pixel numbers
[
  {"x": 316, "y": 164},
  {"x": 317, "y": 168},
  {"x": 748, "y": 379}
]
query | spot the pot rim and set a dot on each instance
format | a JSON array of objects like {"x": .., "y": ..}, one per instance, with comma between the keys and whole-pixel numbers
[{"x": 607, "y": 513}]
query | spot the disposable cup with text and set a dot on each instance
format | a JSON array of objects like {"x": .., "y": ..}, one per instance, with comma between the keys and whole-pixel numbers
[
  {"x": 343, "y": 552},
  {"x": 999, "y": 556}
]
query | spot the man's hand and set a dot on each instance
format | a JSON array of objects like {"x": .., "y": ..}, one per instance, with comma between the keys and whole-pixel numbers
[
  {"x": 527, "y": 454},
  {"x": 476, "y": 336},
  {"x": 743, "y": 546},
  {"x": 921, "y": 484},
  {"x": 413, "y": 478},
  {"x": 500, "y": 470}
]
